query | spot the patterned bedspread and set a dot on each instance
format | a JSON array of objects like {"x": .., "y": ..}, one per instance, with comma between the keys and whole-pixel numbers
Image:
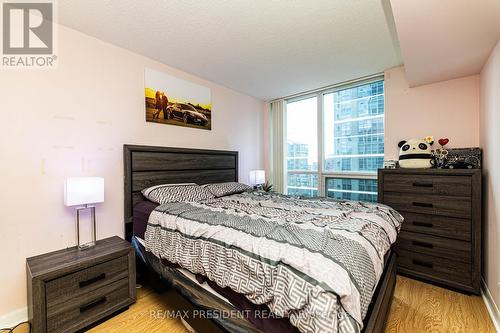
[{"x": 316, "y": 261}]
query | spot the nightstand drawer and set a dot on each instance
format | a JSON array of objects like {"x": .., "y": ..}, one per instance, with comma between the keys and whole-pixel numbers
[
  {"x": 435, "y": 246},
  {"x": 81, "y": 282},
  {"x": 430, "y": 204},
  {"x": 434, "y": 267},
  {"x": 77, "y": 313},
  {"x": 71, "y": 289},
  {"x": 428, "y": 184},
  {"x": 449, "y": 227}
]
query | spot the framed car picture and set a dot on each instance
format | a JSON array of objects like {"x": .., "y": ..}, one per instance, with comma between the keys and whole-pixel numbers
[{"x": 173, "y": 101}]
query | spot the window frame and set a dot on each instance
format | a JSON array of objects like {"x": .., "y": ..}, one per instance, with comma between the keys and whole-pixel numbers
[{"x": 323, "y": 175}]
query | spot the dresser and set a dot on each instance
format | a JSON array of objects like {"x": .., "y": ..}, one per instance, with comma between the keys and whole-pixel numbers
[
  {"x": 71, "y": 289},
  {"x": 440, "y": 239}
]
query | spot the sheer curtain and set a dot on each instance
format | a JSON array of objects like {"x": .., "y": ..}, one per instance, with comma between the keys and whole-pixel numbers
[{"x": 277, "y": 144}]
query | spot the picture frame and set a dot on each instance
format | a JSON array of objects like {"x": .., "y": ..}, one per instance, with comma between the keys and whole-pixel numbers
[{"x": 173, "y": 101}]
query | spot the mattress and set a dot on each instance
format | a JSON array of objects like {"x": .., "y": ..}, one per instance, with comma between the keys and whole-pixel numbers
[
  {"x": 286, "y": 253},
  {"x": 258, "y": 248},
  {"x": 141, "y": 214}
]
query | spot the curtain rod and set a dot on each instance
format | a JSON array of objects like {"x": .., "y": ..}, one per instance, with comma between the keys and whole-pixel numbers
[{"x": 331, "y": 86}]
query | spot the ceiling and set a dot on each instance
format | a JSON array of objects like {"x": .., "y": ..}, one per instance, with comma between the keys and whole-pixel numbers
[
  {"x": 445, "y": 39},
  {"x": 267, "y": 49}
]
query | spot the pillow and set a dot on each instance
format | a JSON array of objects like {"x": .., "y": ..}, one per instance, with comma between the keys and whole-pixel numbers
[
  {"x": 188, "y": 192},
  {"x": 223, "y": 189}
]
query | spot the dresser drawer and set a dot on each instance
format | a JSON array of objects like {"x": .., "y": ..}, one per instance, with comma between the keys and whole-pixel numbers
[
  {"x": 430, "y": 204},
  {"x": 59, "y": 290},
  {"x": 434, "y": 267},
  {"x": 77, "y": 313},
  {"x": 449, "y": 227},
  {"x": 428, "y": 184},
  {"x": 435, "y": 246}
]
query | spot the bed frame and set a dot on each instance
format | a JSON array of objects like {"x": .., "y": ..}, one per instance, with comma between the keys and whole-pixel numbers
[{"x": 148, "y": 166}]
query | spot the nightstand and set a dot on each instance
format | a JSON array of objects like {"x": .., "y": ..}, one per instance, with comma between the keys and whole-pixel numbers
[{"x": 71, "y": 289}]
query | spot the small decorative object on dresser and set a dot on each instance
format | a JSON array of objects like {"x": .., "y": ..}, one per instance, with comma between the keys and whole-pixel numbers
[
  {"x": 390, "y": 164},
  {"x": 416, "y": 153},
  {"x": 441, "y": 154},
  {"x": 463, "y": 158},
  {"x": 69, "y": 290},
  {"x": 440, "y": 240}
]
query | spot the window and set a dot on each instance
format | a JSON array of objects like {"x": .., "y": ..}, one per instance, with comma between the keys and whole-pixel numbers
[
  {"x": 351, "y": 124},
  {"x": 352, "y": 189},
  {"x": 301, "y": 135},
  {"x": 302, "y": 147},
  {"x": 303, "y": 184}
]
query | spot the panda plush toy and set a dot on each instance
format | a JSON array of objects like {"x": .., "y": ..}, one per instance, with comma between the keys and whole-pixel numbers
[{"x": 415, "y": 153}]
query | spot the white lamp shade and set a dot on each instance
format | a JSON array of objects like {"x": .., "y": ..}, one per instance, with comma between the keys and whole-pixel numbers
[
  {"x": 83, "y": 191},
  {"x": 257, "y": 177}
]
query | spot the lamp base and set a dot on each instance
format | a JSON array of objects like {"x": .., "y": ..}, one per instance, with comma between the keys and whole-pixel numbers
[
  {"x": 86, "y": 245},
  {"x": 92, "y": 216}
]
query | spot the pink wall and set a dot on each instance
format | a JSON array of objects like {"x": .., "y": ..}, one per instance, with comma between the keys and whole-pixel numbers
[
  {"x": 444, "y": 109},
  {"x": 73, "y": 121},
  {"x": 490, "y": 139}
]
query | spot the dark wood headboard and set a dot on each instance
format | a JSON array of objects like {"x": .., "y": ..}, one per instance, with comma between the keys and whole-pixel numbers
[{"x": 148, "y": 166}]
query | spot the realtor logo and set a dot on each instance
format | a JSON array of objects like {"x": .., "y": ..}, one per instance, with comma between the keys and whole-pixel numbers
[{"x": 28, "y": 34}]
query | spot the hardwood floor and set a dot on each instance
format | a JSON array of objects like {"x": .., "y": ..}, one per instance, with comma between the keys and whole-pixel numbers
[
  {"x": 143, "y": 316},
  {"x": 421, "y": 307},
  {"x": 417, "y": 307}
]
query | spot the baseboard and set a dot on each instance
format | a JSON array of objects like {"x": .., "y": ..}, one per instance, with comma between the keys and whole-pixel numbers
[
  {"x": 13, "y": 318},
  {"x": 490, "y": 305}
]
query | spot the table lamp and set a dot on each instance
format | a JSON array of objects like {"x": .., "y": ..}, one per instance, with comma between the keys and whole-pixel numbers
[
  {"x": 257, "y": 177},
  {"x": 84, "y": 191}
]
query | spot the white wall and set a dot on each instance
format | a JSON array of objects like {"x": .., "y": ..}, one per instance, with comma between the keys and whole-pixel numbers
[
  {"x": 73, "y": 121},
  {"x": 490, "y": 140},
  {"x": 444, "y": 109}
]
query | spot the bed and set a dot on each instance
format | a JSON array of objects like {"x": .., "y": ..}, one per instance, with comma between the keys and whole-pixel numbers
[{"x": 148, "y": 166}]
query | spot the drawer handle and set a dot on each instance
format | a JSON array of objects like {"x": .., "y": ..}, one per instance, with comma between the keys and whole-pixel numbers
[
  {"x": 92, "y": 304},
  {"x": 423, "y": 204},
  {"x": 422, "y": 263},
  {"x": 423, "y": 244},
  {"x": 423, "y": 224},
  {"x": 90, "y": 281},
  {"x": 417, "y": 184}
]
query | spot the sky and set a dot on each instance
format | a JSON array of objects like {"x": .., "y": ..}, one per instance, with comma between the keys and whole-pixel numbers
[
  {"x": 302, "y": 125},
  {"x": 177, "y": 89}
]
